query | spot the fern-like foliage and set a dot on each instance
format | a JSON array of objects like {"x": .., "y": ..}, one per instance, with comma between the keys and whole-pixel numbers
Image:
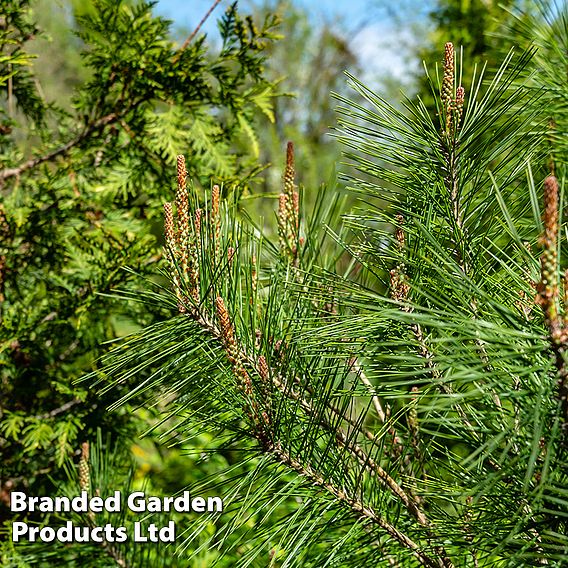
[{"x": 81, "y": 193}]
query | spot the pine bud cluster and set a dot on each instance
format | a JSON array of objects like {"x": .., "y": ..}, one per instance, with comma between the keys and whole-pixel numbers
[
  {"x": 289, "y": 210},
  {"x": 263, "y": 368},
  {"x": 548, "y": 285},
  {"x": 399, "y": 285},
  {"x": 216, "y": 218},
  {"x": 453, "y": 107},
  {"x": 460, "y": 98},
  {"x": 183, "y": 239},
  {"x": 258, "y": 416},
  {"x": 231, "y": 347},
  {"x": 182, "y": 208},
  {"x": 449, "y": 70}
]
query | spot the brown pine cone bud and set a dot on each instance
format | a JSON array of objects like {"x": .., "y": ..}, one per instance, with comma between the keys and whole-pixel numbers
[{"x": 449, "y": 69}]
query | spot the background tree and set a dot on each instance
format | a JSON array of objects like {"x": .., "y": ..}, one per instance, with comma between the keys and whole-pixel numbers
[
  {"x": 309, "y": 63},
  {"x": 82, "y": 183}
]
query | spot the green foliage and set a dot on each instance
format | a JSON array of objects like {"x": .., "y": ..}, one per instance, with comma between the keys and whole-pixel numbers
[
  {"x": 81, "y": 193},
  {"x": 380, "y": 391}
]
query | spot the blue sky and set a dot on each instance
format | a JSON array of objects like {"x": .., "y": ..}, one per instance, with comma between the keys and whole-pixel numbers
[
  {"x": 373, "y": 36},
  {"x": 189, "y": 12}
]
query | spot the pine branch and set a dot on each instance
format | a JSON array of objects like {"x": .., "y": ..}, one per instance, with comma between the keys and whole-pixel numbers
[
  {"x": 188, "y": 246},
  {"x": 365, "y": 513},
  {"x": 237, "y": 353},
  {"x": 400, "y": 291},
  {"x": 453, "y": 107},
  {"x": 341, "y": 437}
]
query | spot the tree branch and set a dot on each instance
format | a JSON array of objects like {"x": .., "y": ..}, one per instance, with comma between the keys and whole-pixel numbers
[
  {"x": 195, "y": 31},
  {"x": 375, "y": 469},
  {"x": 59, "y": 410},
  {"x": 62, "y": 150},
  {"x": 365, "y": 513}
]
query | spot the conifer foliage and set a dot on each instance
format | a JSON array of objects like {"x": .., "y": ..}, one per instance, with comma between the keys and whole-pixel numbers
[{"x": 411, "y": 401}]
